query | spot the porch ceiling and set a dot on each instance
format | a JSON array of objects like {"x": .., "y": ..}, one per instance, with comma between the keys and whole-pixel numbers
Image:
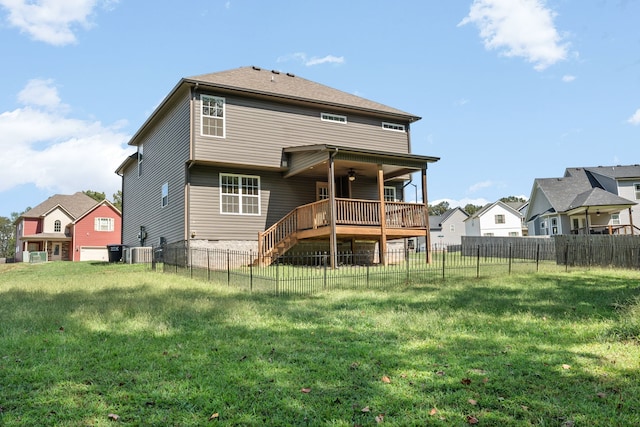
[{"x": 311, "y": 161}]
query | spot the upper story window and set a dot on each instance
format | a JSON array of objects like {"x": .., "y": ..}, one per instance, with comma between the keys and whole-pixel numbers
[
  {"x": 452, "y": 228},
  {"x": 212, "y": 120},
  {"x": 499, "y": 219},
  {"x": 615, "y": 219},
  {"x": 103, "y": 224},
  {"x": 239, "y": 194},
  {"x": 57, "y": 226},
  {"x": 393, "y": 126},
  {"x": 140, "y": 149},
  {"x": 637, "y": 188},
  {"x": 390, "y": 194},
  {"x": 164, "y": 201},
  {"x": 328, "y": 117}
]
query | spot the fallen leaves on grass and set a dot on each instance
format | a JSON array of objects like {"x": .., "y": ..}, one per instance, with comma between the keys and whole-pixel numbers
[
  {"x": 472, "y": 420},
  {"x": 433, "y": 411},
  {"x": 472, "y": 401},
  {"x": 306, "y": 390},
  {"x": 380, "y": 418},
  {"x": 466, "y": 381},
  {"x": 113, "y": 417},
  {"x": 565, "y": 366},
  {"x": 365, "y": 409},
  {"x": 386, "y": 379},
  {"x": 214, "y": 416}
]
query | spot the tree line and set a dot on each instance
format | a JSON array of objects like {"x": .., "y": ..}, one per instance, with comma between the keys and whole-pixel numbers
[{"x": 8, "y": 225}]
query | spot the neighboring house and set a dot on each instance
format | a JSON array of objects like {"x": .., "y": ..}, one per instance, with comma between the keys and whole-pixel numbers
[
  {"x": 252, "y": 159},
  {"x": 446, "y": 229},
  {"x": 522, "y": 208},
  {"x": 68, "y": 228},
  {"x": 591, "y": 200},
  {"x": 495, "y": 219}
]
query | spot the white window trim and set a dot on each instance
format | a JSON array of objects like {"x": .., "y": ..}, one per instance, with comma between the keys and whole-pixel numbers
[
  {"x": 393, "y": 190},
  {"x": 164, "y": 195},
  {"x": 224, "y": 116},
  {"x": 636, "y": 189},
  {"x": 333, "y": 118},
  {"x": 615, "y": 219},
  {"x": 99, "y": 221},
  {"x": 240, "y": 176},
  {"x": 395, "y": 127}
]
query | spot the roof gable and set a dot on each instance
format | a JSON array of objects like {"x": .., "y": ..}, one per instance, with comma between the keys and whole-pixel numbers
[{"x": 75, "y": 205}]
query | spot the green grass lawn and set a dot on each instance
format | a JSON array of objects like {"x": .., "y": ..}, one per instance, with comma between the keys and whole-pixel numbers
[{"x": 86, "y": 344}]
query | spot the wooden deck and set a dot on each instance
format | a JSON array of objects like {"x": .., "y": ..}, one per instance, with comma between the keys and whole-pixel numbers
[{"x": 354, "y": 218}]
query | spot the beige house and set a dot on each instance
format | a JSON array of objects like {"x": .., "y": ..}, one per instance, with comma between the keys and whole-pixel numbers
[{"x": 261, "y": 160}]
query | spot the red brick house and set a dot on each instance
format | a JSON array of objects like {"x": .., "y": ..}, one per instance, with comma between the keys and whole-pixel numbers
[{"x": 69, "y": 228}]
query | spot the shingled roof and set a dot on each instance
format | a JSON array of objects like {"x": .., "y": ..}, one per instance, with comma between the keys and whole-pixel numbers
[
  {"x": 289, "y": 86},
  {"x": 75, "y": 205}
]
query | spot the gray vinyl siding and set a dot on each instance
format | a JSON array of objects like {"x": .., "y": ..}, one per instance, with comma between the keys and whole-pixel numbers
[
  {"x": 256, "y": 132},
  {"x": 166, "y": 150},
  {"x": 277, "y": 198}
]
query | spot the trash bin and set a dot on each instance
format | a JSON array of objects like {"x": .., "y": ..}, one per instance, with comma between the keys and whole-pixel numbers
[{"x": 115, "y": 252}]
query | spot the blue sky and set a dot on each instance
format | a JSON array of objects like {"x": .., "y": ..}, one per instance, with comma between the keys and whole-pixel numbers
[{"x": 508, "y": 90}]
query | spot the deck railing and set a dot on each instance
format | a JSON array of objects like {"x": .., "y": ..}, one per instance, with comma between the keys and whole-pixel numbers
[
  {"x": 351, "y": 212},
  {"x": 618, "y": 229}
]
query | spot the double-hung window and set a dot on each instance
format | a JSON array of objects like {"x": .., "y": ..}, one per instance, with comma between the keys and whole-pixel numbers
[
  {"x": 212, "y": 117},
  {"x": 103, "y": 224},
  {"x": 499, "y": 219},
  {"x": 390, "y": 194},
  {"x": 140, "y": 150},
  {"x": 239, "y": 194}
]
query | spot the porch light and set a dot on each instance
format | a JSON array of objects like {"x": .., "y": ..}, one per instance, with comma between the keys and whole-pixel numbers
[
  {"x": 598, "y": 213},
  {"x": 352, "y": 175}
]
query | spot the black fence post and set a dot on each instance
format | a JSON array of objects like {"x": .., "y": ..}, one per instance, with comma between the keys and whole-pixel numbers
[
  {"x": 324, "y": 262},
  {"x": 228, "y": 269},
  {"x": 208, "y": 266},
  {"x": 406, "y": 257},
  {"x": 566, "y": 257},
  {"x": 277, "y": 278},
  {"x": 250, "y": 271},
  {"x": 190, "y": 261},
  {"x": 444, "y": 257},
  {"x": 478, "y": 263}
]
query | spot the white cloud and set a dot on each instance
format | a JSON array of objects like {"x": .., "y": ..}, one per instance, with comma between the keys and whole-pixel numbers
[
  {"x": 480, "y": 185},
  {"x": 51, "y": 21},
  {"x": 635, "y": 119},
  {"x": 520, "y": 28},
  {"x": 568, "y": 78},
  {"x": 42, "y": 146},
  {"x": 302, "y": 57},
  {"x": 41, "y": 93}
]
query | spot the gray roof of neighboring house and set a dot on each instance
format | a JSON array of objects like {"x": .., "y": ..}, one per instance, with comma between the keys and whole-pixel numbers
[
  {"x": 579, "y": 187},
  {"x": 509, "y": 206},
  {"x": 598, "y": 197},
  {"x": 285, "y": 85},
  {"x": 617, "y": 172},
  {"x": 75, "y": 205},
  {"x": 435, "y": 221}
]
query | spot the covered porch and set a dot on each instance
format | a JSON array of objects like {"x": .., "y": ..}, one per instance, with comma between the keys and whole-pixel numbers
[
  {"x": 341, "y": 213},
  {"x": 55, "y": 245},
  {"x": 599, "y": 212}
]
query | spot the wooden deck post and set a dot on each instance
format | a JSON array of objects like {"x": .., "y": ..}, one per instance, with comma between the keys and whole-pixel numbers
[
  {"x": 631, "y": 222},
  {"x": 425, "y": 201},
  {"x": 383, "y": 217},
  {"x": 333, "y": 240}
]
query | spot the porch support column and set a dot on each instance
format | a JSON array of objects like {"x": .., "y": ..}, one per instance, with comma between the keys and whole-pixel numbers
[
  {"x": 333, "y": 239},
  {"x": 631, "y": 222},
  {"x": 586, "y": 221},
  {"x": 383, "y": 217},
  {"x": 425, "y": 201}
]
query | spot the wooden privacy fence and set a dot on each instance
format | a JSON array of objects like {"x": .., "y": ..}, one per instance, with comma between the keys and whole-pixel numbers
[{"x": 598, "y": 250}]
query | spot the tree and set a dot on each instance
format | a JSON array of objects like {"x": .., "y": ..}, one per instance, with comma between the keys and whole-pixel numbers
[
  {"x": 8, "y": 234},
  {"x": 95, "y": 195},
  {"x": 117, "y": 200},
  {"x": 439, "y": 209},
  {"x": 513, "y": 199},
  {"x": 471, "y": 209}
]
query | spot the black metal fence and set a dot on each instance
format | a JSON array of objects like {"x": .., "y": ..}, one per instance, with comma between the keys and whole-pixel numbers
[{"x": 311, "y": 273}]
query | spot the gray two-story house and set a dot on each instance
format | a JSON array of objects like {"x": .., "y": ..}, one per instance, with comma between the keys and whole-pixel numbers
[{"x": 261, "y": 160}]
